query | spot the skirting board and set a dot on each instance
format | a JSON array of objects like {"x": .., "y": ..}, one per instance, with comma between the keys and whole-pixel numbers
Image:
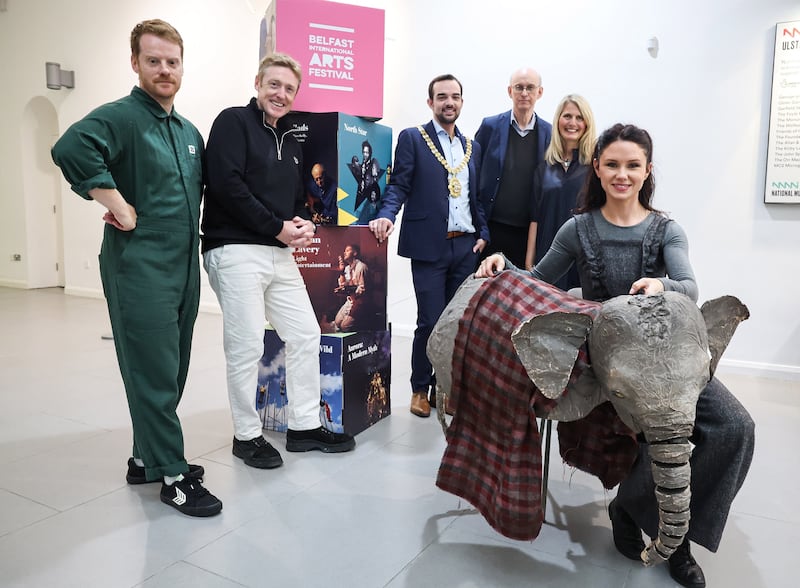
[
  {"x": 210, "y": 307},
  {"x": 733, "y": 366},
  {"x": 401, "y": 330},
  {"x": 765, "y": 370},
  {"x": 19, "y": 284},
  {"x": 752, "y": 368},
  {"x": 84, "y": 292}
]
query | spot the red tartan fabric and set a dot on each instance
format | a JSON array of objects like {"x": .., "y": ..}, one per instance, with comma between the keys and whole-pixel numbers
[
  {"x": 493, "y": 457},
  {"x": 599, "y": 444}
]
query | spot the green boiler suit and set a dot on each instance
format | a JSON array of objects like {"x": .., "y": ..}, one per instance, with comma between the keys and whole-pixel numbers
[{"x": 150, "y": 275}]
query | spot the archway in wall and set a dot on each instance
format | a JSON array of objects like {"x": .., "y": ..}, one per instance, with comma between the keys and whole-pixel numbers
[{"x": 42, "y": 194}]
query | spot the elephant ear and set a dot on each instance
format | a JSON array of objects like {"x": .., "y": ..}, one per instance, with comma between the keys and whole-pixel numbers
[
  {"x": 722, "y": 316},
  {"x": 547, "y": 345}
]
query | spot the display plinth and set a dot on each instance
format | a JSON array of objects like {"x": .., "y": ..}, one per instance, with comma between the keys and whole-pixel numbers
[{"x": 355, "y": 380}]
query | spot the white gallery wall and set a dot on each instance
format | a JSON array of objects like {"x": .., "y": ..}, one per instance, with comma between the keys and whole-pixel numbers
[{"x": 704, "y": 98}]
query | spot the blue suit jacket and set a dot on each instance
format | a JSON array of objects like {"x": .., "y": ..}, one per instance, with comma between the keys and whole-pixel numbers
[
  {"x": 493, "y": 138},
  {"x": 419, "y": 182}
]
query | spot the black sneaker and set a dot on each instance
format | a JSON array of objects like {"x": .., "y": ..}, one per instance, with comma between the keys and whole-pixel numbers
[
  {"x": 257, "y": 453},
  {"x": 136, "y": 475},
  {"x": 189, "y": 497},
  {"x": 321, "y": 438}
]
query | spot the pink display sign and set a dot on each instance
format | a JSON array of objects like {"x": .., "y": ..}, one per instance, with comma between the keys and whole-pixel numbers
[{"x": 340, "y": 48}]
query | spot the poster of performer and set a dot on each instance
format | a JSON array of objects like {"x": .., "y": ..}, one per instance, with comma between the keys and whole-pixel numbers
[
  {"x": 346, "y": 164},
  {"x": 344, "y": 269},
  {"x": 366, "y": 370},
  {"x": 316, "y": 133},
  {"x": 365, "y": 150}
]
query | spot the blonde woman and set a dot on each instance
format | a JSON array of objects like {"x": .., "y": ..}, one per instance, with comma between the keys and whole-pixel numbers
[{"x": 559, "y": 179}]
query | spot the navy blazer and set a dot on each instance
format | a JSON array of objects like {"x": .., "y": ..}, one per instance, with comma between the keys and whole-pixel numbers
[
  {"x": 493, "y": 138},
  {"x": 419, "y": 182}
]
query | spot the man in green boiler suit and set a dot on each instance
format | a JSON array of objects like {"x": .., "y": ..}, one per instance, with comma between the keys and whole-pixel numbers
[{"x": 143, "y": 162}]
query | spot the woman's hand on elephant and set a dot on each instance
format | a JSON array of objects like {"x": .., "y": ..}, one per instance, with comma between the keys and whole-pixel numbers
[
  {"x": 647, "y": 286},
  {"x": 491, "y": 266}
]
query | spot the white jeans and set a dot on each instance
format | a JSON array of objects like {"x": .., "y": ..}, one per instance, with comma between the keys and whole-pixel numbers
[{"x": 254, "y": 283}]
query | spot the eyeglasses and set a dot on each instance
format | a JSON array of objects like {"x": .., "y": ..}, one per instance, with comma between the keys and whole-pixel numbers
[{"x": 519, "y": 88}]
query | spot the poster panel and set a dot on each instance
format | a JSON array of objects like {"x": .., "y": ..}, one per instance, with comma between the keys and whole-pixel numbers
[
  {"x": 344, "y": 269},
  {"x": 340, "y": 48},
  {"x": 783, "y": 151},
  {"x": 365, "y": 151},
  {"x": 346, "y": 165}
]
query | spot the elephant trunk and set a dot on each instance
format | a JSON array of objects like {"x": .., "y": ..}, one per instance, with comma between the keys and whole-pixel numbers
[{"x": 672, "y": 477}]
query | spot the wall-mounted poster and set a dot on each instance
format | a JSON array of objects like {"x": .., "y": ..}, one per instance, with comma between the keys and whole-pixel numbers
[
  {"x": 340, "y": 48},
  {"x": 783, "y": 151}
]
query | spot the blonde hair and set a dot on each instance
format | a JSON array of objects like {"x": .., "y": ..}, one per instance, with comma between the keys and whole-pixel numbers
[
  {"x": 555, "y": 151},
  {"x": 280, "y": 60}
]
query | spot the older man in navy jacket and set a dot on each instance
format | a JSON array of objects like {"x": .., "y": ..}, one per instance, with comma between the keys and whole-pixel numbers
[
  {"x": 513, "y": 145},
  {"x": 443, "y": 229}
]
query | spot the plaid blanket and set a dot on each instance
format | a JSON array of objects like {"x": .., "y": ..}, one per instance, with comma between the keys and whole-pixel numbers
[{"x": 493, "y": 457}]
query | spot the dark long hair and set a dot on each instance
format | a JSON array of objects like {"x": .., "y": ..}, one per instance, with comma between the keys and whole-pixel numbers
[{"x": 592, "y": 195}]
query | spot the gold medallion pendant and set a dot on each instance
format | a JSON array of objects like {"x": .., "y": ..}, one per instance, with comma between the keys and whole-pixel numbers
[{"x": 453, "y": 184}]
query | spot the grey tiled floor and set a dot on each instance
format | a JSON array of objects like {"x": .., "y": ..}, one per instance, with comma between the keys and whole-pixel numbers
[{"x": 372, "y": 518}]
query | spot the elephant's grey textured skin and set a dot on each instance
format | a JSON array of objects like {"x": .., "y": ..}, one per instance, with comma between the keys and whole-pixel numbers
[
  {"x": 559, "y": 337},
  {"x": 722, "y": 316},
  {"x": 442, "y": 341},
  {"x": 650, "y": 356},
  {"x": 673, "y": 496}
]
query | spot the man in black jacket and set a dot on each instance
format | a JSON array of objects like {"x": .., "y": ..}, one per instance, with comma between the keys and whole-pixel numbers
[{"x": 254, "y": 214}]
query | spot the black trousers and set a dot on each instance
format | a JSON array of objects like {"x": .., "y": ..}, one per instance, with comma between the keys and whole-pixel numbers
[
  {"x": 724, "y": 439},
  {"x": 509, "y": 240}
]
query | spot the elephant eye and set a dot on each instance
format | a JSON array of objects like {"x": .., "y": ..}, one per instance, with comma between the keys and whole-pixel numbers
[{"x": 618, "y": 394}]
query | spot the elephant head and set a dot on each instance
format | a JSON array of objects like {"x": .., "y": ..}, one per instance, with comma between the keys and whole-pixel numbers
[{"x": 650, "y": 356}]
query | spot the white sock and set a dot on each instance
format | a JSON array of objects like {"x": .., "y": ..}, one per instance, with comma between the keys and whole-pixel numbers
[
  {"x": 170, "y": 480},
  {"x": 138, "y": 462}
]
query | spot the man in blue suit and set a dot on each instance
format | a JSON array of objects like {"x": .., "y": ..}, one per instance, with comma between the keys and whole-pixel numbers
[
  {"x": 513, "y": 145},
  {"x": 443, "y": 229}
]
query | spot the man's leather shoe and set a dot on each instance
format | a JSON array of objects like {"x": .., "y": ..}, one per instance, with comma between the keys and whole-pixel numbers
[
  {"x": 684, "y": 569},
  {"x": 627, "y": 536},
  {"x": 420, "y": 405}
]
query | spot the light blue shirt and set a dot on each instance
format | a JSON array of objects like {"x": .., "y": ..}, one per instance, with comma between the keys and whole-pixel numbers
[
  {"x": 522, "y": 131},
  {"x": 460, "y": 216}
]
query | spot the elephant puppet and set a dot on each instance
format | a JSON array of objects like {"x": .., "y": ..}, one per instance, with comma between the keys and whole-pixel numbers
[{"x": 651, "y": 357}]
